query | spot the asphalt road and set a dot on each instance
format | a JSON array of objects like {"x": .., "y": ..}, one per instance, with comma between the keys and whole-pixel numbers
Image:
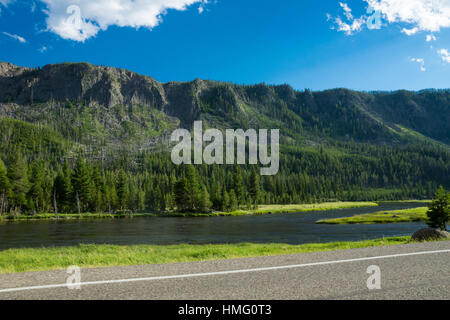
[{"x": 324, "y": 275}]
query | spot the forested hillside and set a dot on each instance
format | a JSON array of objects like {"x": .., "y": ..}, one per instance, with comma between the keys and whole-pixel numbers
[{"x": 78, "y": 137}]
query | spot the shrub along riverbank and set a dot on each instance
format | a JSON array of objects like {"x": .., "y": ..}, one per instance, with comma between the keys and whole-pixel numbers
[
  {"x": 395, "y": 216},
  {"x": 264, "y": 209},
  {"x": 41, "y": 259}
]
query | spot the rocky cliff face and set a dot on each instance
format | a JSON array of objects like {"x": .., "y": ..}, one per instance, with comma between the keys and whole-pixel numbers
[
  {"x": 8, "y": 70},
  {"x": 78, "y": 83},
  {"x": 104, "y": 86}
]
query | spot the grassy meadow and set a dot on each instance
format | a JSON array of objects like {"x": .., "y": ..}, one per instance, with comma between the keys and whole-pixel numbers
[
  {"x": 394, "y": 216},
  {"x": 53, "y": 258}
]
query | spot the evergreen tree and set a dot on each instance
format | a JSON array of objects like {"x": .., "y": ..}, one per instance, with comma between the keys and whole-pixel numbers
[
  {"x": 163, "y": 203},
  {"x": 233, "y": 204},
  {"x": 47, "y": 188},
  {"x": 226, "y": 205},
  {"x": 157, "y": 196},
  {"x": 18, "y": 177},
  {"x": 193, "y": 188},
  {"x": 98, "y": 191},
  {"x": 254, "y": 188},
  {"x": 238, "y": 185},
  {"x": 67, "y": 194},
  {"x": 141, "y": 201},
  {"x": 148, "y": 188},
  {"x": 205, "y": 203},
  {"x": 122, "y": 190},
  {"x": 36, "y": 193},
  {"x": 82, "y": 185},
  {"x": 5, "y": 188},
  {"x": 170, "y": 201},
  {"x": 182, "y": 194},
  {"x": 59, "y": 194},
  {"x": 132, "y": 195},
  {"x": 217, "y": 199},
  {"x": 111, "y": 198},
  {"x": 439, "y": 210}
]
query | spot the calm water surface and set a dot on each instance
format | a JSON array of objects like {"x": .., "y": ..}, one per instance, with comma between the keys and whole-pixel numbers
[{"x": 292, "y": 228}]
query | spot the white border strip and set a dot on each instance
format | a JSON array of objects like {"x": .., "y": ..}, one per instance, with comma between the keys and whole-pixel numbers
[{"x": 196, "y": 275}]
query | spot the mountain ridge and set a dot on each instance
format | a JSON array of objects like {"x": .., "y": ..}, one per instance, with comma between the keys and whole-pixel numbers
[
  {"x": 6, "y": 65},
  {"x": 119, "y": 101}
]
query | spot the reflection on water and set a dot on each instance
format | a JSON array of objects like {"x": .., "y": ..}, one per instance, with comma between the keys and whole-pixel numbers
[{"x": 292, "y": 228}]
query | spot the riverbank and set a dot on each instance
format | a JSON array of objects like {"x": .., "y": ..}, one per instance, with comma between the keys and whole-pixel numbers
[
  {"x": 87, "y": 256},
  {"x": 381, "y": 217},
  {"x": 263, "y": 209},
  {"x": 72, "y": 216},
  {"x": 425, "y": 202}
]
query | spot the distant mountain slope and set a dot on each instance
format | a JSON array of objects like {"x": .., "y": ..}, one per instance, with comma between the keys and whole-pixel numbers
[{"x": 113, "y": 108}]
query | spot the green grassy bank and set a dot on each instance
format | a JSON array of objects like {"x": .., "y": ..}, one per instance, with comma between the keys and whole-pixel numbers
[
  {"x": 40, "y": 259},
  {"x": 273, "y": 209},
  {"x": 74, "y": 216},
  {"x": 264, "y": 209},
  {"x": 395, "y": 216}
]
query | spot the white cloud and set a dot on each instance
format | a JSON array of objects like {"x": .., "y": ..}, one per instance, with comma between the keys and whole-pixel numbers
[
  {"x": 347, "y": 10},
  {"x": 421, "y": 62},
  {"x": 421, "y": 15},
  {"x": 43, "y": 49},
  {"x": 350, "y": 28},
  {"x": 410, "y": 32},
  {"x": 414, "y": 15},
  {"x": 430, "y": 37},
  {"x": 88, "y": 17},
  {"x": 445, "y": 55},
  {"x": 15, "y": 36}
]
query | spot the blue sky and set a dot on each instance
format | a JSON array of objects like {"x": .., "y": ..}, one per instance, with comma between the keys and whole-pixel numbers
[{"x": 305, "y": 43}]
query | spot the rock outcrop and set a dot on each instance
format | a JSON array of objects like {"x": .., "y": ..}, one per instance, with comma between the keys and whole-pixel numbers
[{"x": 429, "y": 234}]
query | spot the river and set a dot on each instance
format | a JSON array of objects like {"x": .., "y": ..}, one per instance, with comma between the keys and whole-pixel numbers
[{"x": 291, "y": 228}]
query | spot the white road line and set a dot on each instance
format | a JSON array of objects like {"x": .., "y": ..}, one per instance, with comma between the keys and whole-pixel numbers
[{"x": 196, "y": 275}]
